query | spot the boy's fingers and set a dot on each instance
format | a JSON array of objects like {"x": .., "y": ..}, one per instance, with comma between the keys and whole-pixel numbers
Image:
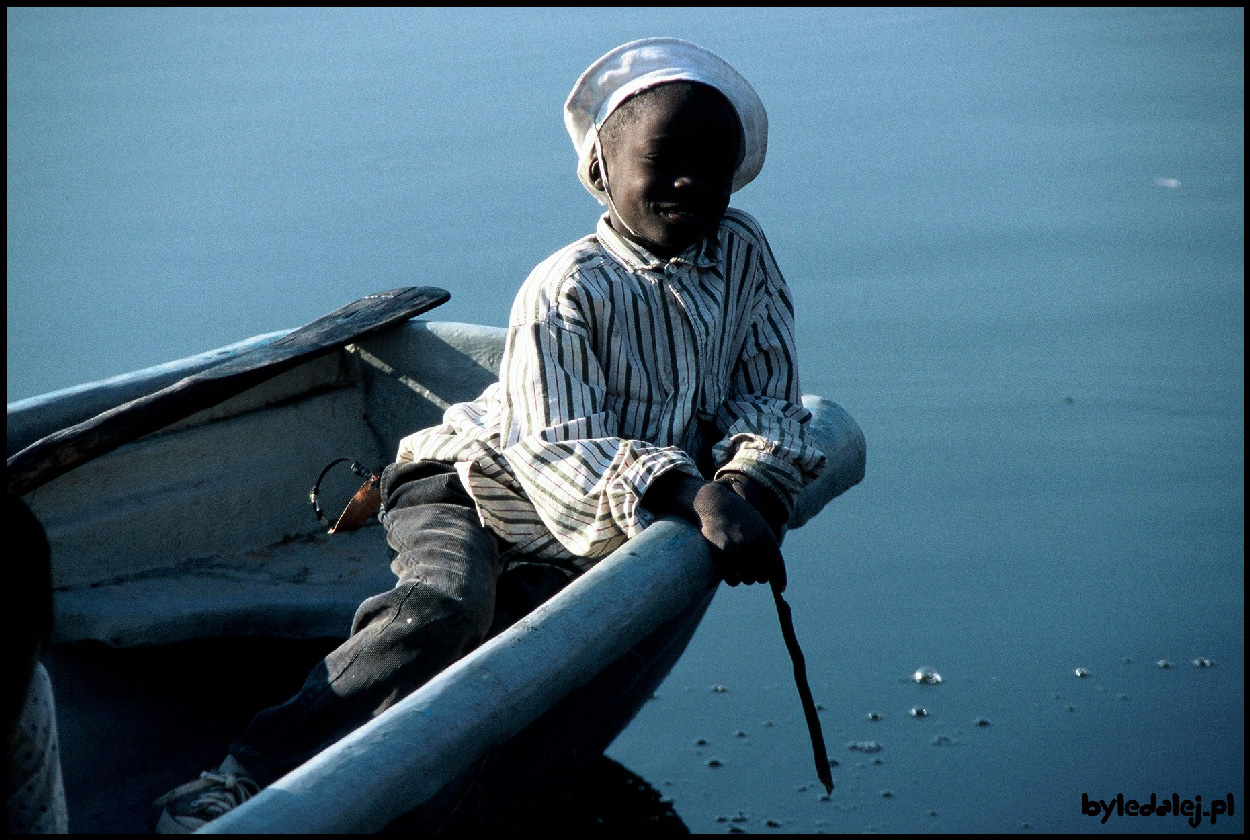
[
  {"x": 771, "y": 569},
  {"x": 744, "y": 548},
  {"x": 767, "y": 564},
  {"x": 723, "y": 567},
  {"x": 778, "y": 577}
]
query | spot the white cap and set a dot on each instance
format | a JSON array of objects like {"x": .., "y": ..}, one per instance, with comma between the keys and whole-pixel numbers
[{"x": 643, "y": 64}]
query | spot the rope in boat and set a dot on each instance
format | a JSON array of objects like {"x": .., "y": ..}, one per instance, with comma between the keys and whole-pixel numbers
[{"x": 362, "y": 505}]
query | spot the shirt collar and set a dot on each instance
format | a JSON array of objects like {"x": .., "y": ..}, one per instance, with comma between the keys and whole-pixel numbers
[{"x": 703, "y": 254}]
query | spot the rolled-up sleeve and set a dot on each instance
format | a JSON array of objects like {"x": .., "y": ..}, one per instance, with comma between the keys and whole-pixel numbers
[{"x": 560, "y": 439}]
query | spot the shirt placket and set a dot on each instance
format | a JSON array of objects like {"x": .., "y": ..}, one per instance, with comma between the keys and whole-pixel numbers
[{"x": 678, "y": 284}]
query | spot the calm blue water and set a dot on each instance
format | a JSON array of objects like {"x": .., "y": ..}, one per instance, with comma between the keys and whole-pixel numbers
[{"x": 1016, "y": 241}]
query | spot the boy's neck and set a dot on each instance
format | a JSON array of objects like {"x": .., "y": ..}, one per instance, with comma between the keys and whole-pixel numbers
[{"x": 647, "y": 252}]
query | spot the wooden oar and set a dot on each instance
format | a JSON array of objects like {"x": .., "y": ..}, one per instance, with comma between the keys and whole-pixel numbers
[{"x": 60, "y": 452}]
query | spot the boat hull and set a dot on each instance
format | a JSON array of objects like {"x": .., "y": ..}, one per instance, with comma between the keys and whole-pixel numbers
[{"x": 203, "y": 531}]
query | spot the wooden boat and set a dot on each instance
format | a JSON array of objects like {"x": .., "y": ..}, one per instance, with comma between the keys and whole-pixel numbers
[{"x": 191, "y": 577}]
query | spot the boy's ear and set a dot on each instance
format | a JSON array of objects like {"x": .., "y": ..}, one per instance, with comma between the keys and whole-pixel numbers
[{"x": 595, "y": 171}]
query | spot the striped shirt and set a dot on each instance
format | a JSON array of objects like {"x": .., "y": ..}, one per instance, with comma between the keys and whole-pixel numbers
[{"x": 617, "y": 365}]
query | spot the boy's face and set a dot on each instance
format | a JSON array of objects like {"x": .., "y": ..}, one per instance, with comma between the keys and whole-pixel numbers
[{"x": 671, "y": 167}]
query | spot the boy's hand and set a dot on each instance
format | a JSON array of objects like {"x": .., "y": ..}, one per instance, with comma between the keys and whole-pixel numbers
[{"x": 744, "y": 547}]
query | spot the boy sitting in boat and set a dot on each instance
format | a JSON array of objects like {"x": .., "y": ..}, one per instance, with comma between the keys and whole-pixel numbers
[{"x": 649, "y": 370}]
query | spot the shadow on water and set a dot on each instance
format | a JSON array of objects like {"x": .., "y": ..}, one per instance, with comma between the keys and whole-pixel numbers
[
  {"x": 134, "y": 723},
  {"x": 605, "y": 798},
  {"x": 608, "y": 799}
]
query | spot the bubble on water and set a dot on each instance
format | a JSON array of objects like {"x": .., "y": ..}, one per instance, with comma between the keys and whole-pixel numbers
[
  {"x": 1163, "y": 663},
  {"x": 1082, "y": 672},
  {"x": 926, "y": 676},
  {"x": 918, "y": 712},
  {"x": 1168, "y": 183},
  {"x": 864, "y": 746},
  {"x": 1203, "y": 662},
  {"x": 719, "y": 689}
]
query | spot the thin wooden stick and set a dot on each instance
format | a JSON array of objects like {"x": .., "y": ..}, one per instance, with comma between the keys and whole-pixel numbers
[{"x": 805, "y": 692}]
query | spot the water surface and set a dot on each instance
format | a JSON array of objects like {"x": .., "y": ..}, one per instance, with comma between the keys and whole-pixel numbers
[{"x": 1016, "y": 244}]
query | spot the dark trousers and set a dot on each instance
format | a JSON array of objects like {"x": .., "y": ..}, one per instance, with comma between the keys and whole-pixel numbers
[{"x": 453, "y": 593}]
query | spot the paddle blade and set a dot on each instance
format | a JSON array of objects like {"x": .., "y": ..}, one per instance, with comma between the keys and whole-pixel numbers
[{"x": 60, "y": 452}]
